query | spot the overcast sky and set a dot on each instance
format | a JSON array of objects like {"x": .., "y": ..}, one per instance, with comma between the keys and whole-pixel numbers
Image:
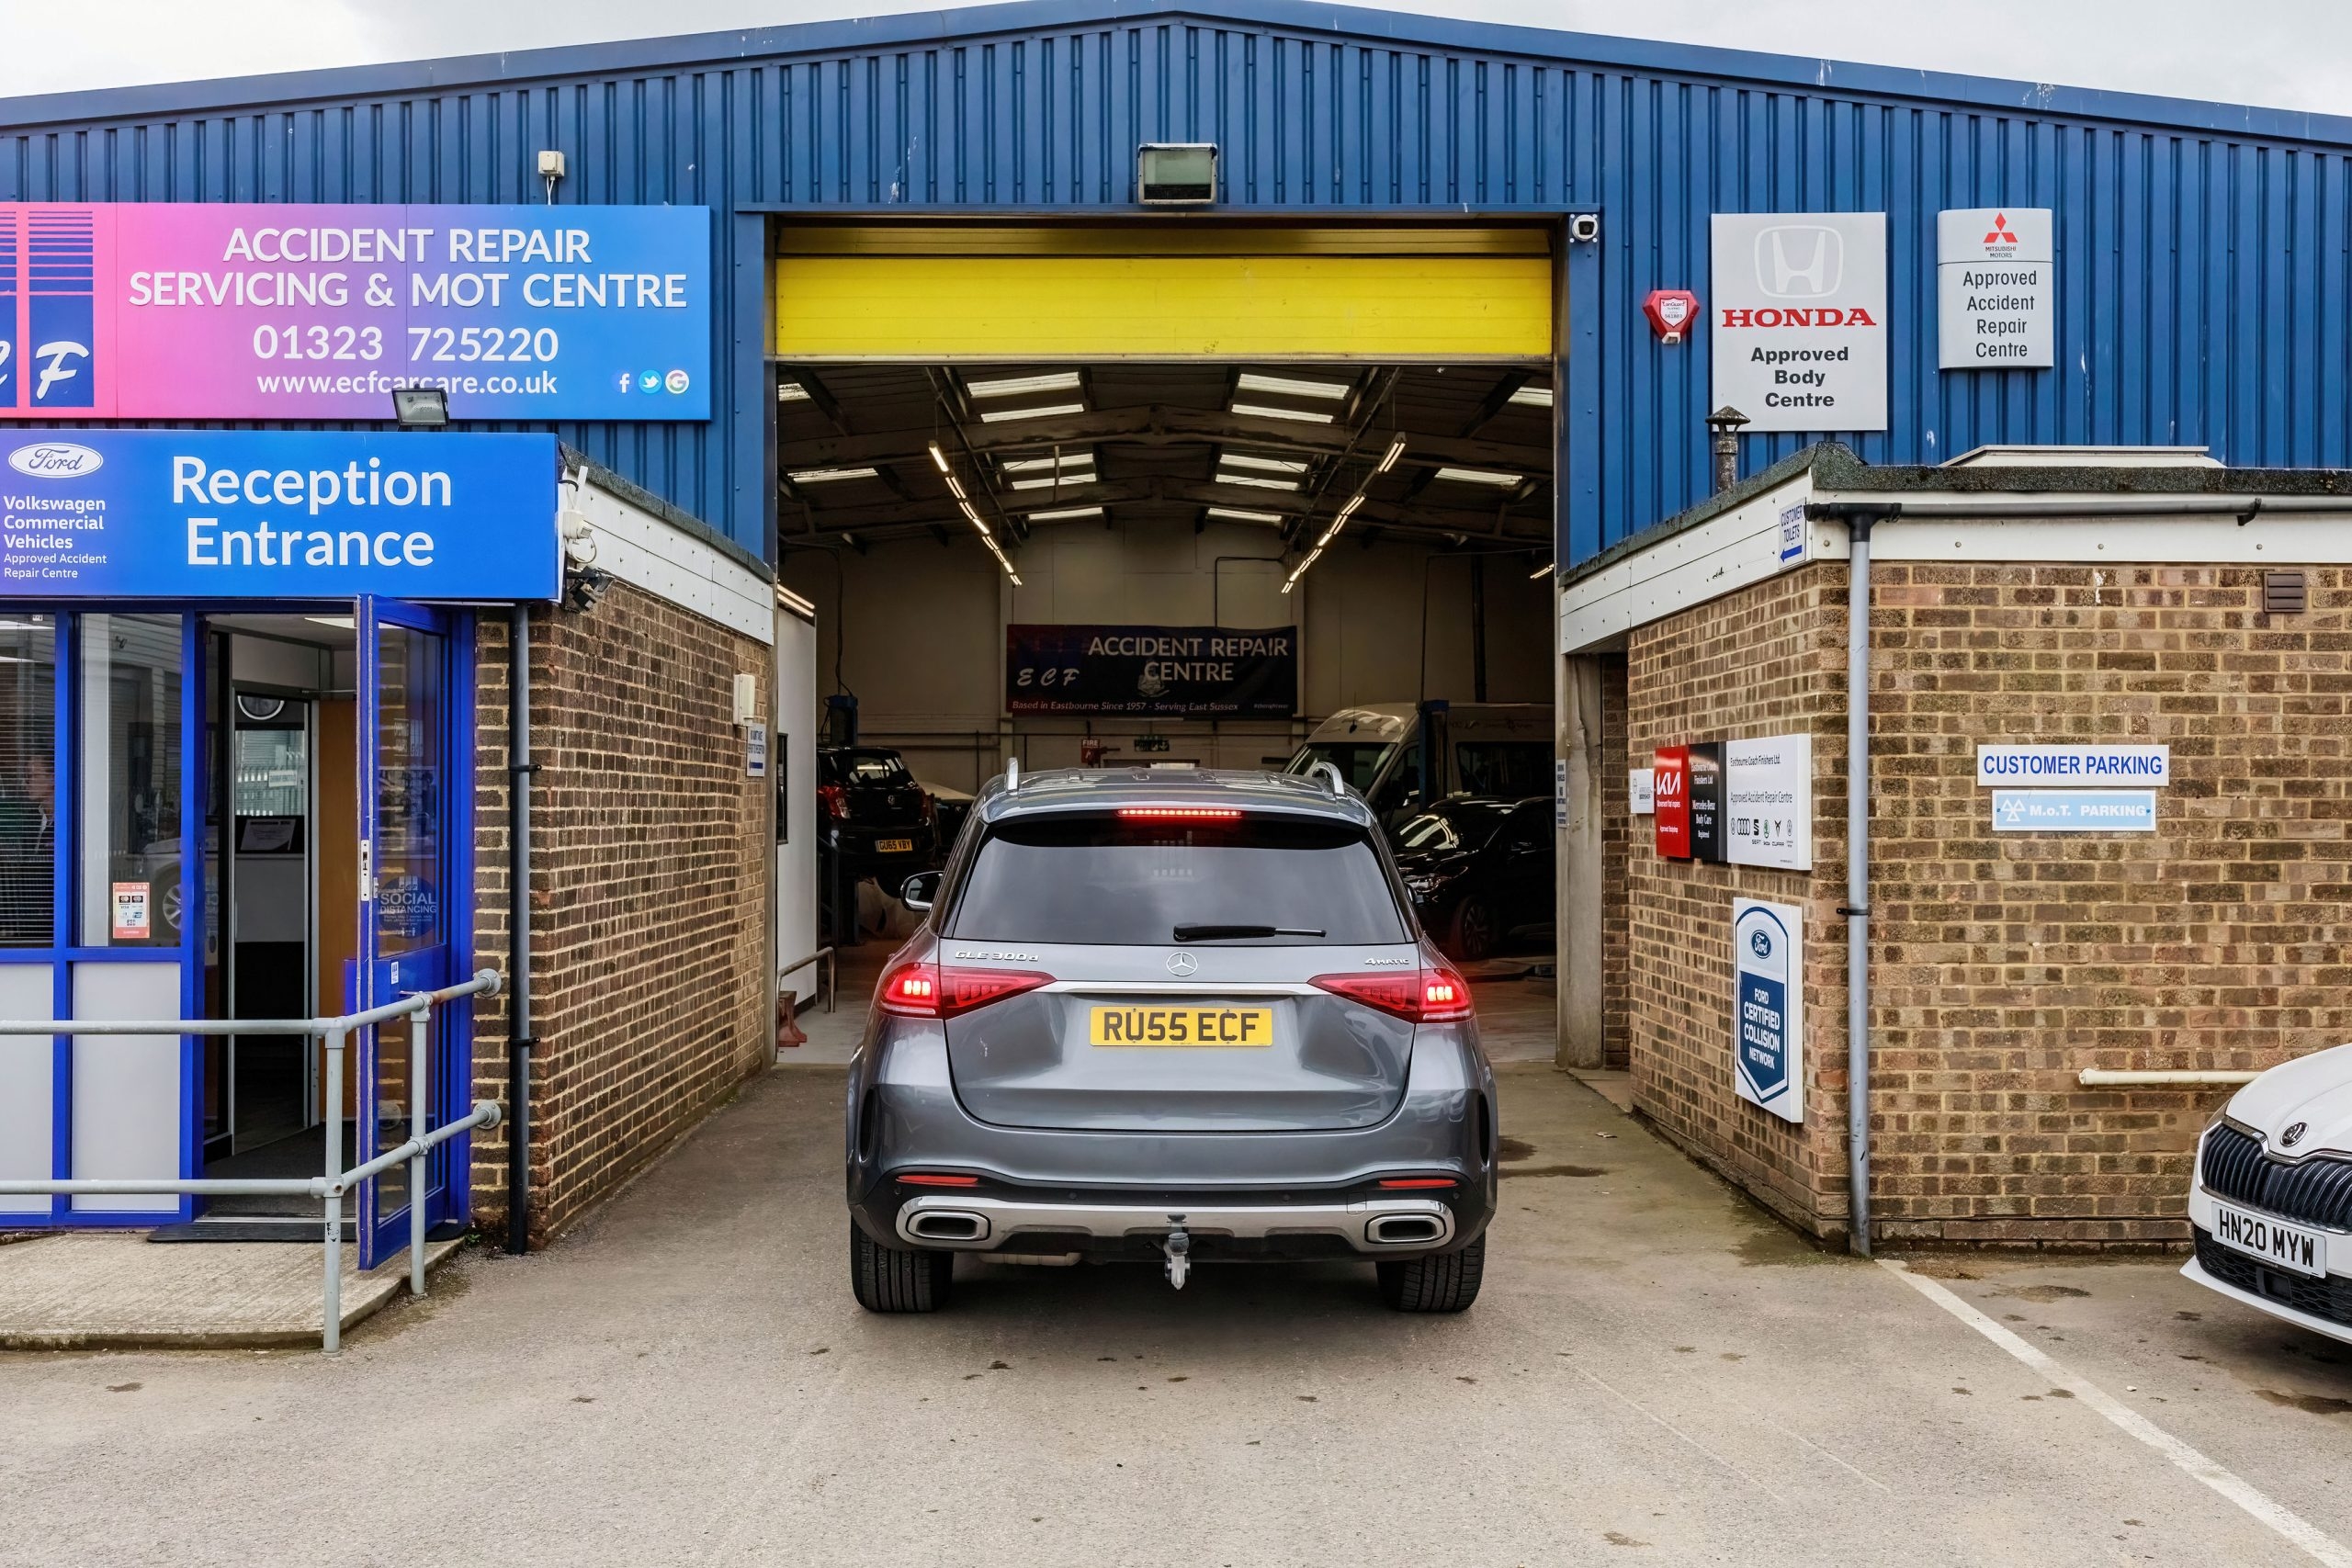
[{"x": 2288, "y": 53}]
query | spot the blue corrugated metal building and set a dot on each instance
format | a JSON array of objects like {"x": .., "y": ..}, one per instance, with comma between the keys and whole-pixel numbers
[{"x": 2204, "y": 271}]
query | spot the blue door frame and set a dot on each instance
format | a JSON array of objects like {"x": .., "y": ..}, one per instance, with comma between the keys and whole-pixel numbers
[{"x": 452, "y": 1033}]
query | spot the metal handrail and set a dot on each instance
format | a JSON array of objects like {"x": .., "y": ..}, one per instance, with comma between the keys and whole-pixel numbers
[
  {"x": 832, "y": 971},
  {"x": 330, "y": 1187}
]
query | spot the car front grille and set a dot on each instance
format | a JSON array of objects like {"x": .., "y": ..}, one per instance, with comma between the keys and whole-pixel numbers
[
  {"x": 2330, "y": 1297},
  {"x": 2317, "y": 1191}
]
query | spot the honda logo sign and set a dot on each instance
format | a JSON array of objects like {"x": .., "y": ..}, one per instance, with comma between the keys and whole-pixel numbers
[{"x": 1798, "y": 320}]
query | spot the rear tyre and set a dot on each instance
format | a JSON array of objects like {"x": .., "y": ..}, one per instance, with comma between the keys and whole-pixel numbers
[
  {"x": 897, "y": 1279},
  {"x": 1440, "y": 1281},
  {"x": 1474, "y": 930}
]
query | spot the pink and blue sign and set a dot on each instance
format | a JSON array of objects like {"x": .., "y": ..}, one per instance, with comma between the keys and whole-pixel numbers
[{"x": 193, "y": 310}]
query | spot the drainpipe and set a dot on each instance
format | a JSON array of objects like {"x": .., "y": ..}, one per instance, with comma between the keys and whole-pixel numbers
[
  {"x": 1857, "y": 908},
  {"x": 519, "y": 1039}
]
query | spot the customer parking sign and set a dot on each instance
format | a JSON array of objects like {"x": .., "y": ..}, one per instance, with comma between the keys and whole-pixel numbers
[{"x": 1768, "y": 1005}]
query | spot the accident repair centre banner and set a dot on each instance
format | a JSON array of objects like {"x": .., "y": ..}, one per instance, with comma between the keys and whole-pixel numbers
[
  {"x": 1163, "y": 671},
  {"x": 276, "y": 514},
  {"x": 222, "y": 312}
]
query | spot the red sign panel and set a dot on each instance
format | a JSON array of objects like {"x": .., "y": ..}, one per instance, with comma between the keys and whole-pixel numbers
[{"x": 1670, "y": 786}]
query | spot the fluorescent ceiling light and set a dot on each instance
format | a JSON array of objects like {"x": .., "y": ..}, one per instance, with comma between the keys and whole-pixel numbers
[
  {"x": 1272, "y": 465},
  {"x": 23, "y": 627},
  {"x": 938, "y": 456},
  {"x": 791, "y": 392},
  {"x": 954, "y": 488},
  {"x": 1396, "y": 450},
  {"x": 1065, "y": 514},
  {"x": 345, "y": 621},
  {"x": 1258, "y": 481},
  {"x": 1240, "y": 514},
  {"x": 1268, "y": 410},
  {"x": 1544, "y": 571},
  {"x": 825, "y": 475},
  {"x": 1085, "y": 477},
  {"x": 1477, "y": 477},
  {"x": 1040, "y": 465},
  {"x": 1533, "y": 397},
  {"x": 1011, "y": 386},
  {"x": 998, "y": 416},
  {"x": 1250, "y": 381}
]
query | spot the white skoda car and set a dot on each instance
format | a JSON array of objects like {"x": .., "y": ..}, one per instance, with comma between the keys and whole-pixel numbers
[{"x": 2272, "y": 1197}]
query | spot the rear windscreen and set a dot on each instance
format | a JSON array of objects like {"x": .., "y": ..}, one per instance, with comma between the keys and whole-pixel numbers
[
  {"x": 866, "y": 768},
  {"x": 1105, "y": 880}
]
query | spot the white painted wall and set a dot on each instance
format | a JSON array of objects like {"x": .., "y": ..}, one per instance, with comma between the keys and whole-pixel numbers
[
  {"x": 792, "y": 758},
  {"x": 921, "y": 633}
]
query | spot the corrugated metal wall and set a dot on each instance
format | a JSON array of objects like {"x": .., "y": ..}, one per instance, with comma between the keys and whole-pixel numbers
[{"x": 2204, "y": 275}]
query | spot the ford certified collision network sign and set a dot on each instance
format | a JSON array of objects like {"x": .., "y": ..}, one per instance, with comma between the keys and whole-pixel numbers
[
  {"x": 195, "y": 311},
  {"x": 276, "y": 514}
]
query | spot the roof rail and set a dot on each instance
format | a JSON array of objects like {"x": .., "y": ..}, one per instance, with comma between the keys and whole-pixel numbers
[
  {"x": 1329, "y": 770},
  {"x": 1011, "y": 775}
]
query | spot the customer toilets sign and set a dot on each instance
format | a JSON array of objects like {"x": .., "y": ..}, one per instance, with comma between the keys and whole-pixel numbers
[
  {"x": 1768, "y": 1005},
  {"x": 225, "y": 310},
  {"x": 1993, "y": 288},
  {"x": 276, "y": 514},
  {"x": 1799, "y": 339}
]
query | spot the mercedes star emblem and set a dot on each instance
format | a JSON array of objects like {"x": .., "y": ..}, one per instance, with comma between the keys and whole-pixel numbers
[
  {"x": 1181, "y": 963},
  {"x": 2294, "y": 1136}
]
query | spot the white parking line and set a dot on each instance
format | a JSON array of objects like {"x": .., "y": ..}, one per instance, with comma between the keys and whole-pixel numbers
[{"x": 2317, "y": 1542}]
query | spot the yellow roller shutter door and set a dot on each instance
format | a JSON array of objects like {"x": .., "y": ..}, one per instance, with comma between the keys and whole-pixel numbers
[{"x": 931, "y": 292}]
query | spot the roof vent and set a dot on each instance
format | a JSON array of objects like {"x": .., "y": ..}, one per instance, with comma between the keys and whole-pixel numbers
[{"x": 1176, "y": 174}]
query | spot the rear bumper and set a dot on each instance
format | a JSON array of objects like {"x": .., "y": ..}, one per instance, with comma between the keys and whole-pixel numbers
[{"x": 1373, "y": 1226}]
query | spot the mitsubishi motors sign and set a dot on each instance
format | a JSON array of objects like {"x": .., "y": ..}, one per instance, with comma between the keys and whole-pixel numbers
[
  {"x": 1993, "y": 288},
  {"x": 1799, "y": 319}
]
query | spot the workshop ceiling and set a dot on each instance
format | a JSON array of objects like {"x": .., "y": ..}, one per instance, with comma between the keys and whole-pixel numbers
[{"x": 868, "y": 452}]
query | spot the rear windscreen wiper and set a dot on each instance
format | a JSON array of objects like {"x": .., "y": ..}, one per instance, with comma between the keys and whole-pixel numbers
[{"x": 1219, "y": 933}]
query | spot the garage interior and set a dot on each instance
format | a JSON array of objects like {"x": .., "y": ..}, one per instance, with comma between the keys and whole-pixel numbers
[{"x": 924, "y": 508}]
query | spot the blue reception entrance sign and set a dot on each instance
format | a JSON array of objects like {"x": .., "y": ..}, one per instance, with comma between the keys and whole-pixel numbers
[
  {"x": 276, "y": 514},
  {"x": 1768, "y": 1005}
]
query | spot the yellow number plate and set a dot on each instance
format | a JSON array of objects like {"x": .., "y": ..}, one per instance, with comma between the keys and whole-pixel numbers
[
  {"x": 1190, "y": 1028},
  {"x": 894, "y": 846}
]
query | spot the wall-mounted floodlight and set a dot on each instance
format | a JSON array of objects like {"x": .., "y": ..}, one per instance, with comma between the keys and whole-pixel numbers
[
  {"x": 420, "y": 408},
  {"x": 1176, "y": 174}
]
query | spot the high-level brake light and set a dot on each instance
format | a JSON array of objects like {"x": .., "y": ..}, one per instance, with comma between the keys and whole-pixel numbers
[{"x": 1179, "y": 813}]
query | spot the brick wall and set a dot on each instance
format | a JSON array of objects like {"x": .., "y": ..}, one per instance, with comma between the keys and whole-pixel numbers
[
  {"x": 649, "y": 887},
  {"x": 1768, "y": 659},
  {"x": 2005, "y": 963},
  {"x": 1617, "y": 829}
]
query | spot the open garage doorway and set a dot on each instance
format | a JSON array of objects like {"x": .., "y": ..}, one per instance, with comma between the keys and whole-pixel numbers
[{"x": 1194, "y": 495}]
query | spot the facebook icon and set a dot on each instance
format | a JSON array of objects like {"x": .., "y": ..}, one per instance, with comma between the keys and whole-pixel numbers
[{"x": 62, "y": 251}]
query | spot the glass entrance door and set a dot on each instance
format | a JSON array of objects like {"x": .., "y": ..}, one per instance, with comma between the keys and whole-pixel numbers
[{"x": 405, "y": 737}]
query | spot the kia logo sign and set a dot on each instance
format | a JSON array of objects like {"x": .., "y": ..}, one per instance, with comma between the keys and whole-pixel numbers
[
  {"x": 55, "y": 460},
  {"x": 1800, "y": 261}
]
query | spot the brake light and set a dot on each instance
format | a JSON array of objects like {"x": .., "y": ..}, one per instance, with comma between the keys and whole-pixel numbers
[
  {"x": 1431, "y": 995},
  {"x": 1395, "y": 1183},
  {"x": 930, "y": 1179},
  {"x": 1179, "y": 813},
  {"x": 835, "y": 800},
  {"x": 921, "y": 989},
  {"x": 911, "y": 990}
]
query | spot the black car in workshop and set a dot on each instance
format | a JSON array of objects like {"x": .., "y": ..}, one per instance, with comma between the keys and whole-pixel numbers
[
  {"x": 1478, "y": 869},
  {"x": 873, "y": 815}
]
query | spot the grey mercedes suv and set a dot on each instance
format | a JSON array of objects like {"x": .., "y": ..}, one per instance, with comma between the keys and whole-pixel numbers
[{"x": 1169, "y": 1016}]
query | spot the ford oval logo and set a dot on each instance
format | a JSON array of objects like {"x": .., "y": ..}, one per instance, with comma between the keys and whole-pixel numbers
[
  {"x": 1181, "y": 963},
  {"x": 55, "y": 460},
  {"x": 2294, "y": 1136}
]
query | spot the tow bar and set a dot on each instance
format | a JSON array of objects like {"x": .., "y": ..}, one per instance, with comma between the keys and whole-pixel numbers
[{"x": 1179, "y": 1248}]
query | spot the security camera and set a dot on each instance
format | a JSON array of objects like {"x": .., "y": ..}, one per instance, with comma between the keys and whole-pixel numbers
[
  {"x": 582, "y": 586},
  {"x": 1584, "y": 227}
]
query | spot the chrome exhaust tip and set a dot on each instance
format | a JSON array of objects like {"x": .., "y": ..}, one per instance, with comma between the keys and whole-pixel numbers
[
  {"x": 947, "y": 1224},
  {"x": 1397, "y": 1230}
]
